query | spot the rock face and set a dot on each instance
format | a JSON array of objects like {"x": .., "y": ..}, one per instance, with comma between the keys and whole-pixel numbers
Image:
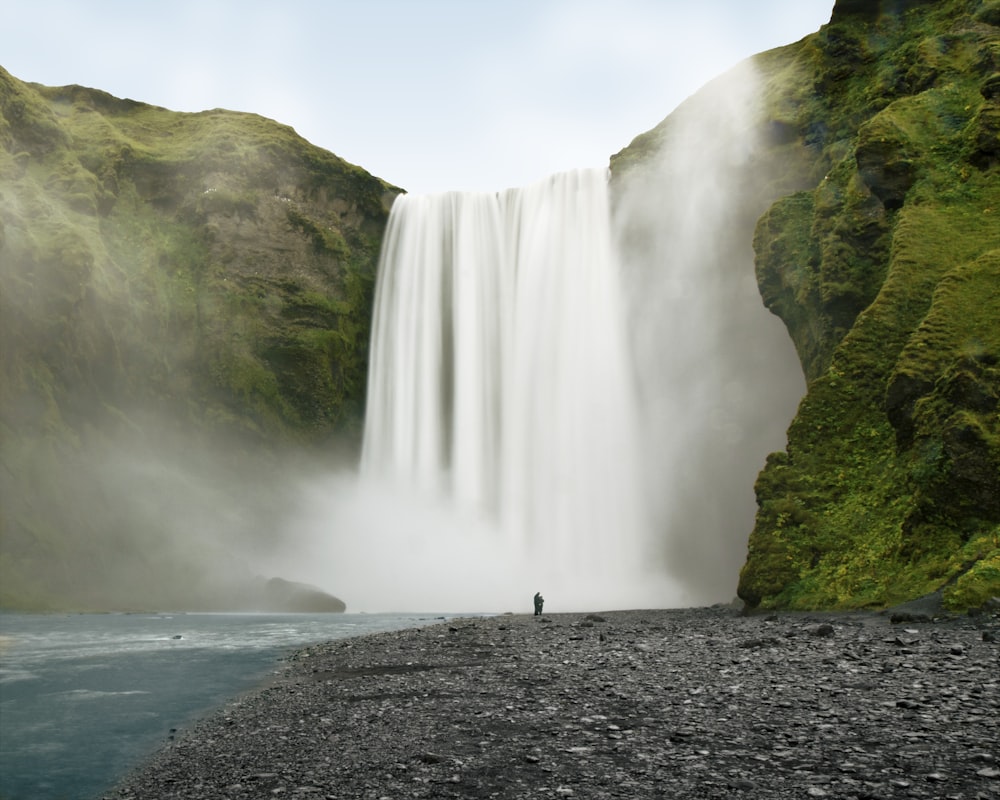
[
  {"x": 215, "y": 254},
  {"x": 173, "y": 288},
  {"x": 883, "y": 262},
  {"x": 888, "y": 489}
]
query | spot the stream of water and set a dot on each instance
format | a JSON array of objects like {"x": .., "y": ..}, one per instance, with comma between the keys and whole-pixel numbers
[{"x": 84, "y": 698}]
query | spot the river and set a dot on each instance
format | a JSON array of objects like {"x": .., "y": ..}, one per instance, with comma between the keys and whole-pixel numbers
[{"x": 85, "y": 698}]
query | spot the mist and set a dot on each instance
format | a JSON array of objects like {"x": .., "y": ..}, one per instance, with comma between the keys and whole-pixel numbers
[
  {"x": 719, "y": 380},
  {"x": 384, "y": 547},
  {"x": 148, "y": 517},
  {"x": 716, "y": 382}
]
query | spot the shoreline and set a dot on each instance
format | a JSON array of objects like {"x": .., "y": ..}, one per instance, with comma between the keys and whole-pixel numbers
[{"x": 680, "y": 703}]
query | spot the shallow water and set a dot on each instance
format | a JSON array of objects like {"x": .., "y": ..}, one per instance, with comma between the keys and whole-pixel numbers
[{"x": 84, "y": 698}]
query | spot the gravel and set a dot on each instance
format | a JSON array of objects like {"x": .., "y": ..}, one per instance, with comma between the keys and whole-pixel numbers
[{"x": 688, "y": 703}]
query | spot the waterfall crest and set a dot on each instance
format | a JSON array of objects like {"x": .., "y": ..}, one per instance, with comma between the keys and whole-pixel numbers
[{"x": 500, "y": 377}]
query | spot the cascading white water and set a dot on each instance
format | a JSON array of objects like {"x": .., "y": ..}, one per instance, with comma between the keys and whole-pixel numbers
[
  {"x": 517, "y": 438},
  {"x": 500, "y": 380}
]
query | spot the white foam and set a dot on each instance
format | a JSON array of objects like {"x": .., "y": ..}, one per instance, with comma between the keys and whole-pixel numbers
[{"x": 500, "y": 392}]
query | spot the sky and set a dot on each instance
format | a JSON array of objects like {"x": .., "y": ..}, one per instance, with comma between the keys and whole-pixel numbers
[{"x": 429, "y": 95}]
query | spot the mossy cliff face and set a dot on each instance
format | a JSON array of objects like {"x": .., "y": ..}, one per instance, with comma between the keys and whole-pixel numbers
[
  {"x": 878, "y": 174},
  {"x": 218, "y": 250},
  {"x": 166, "y": 280},
  {"x": 887, "y": 275}
]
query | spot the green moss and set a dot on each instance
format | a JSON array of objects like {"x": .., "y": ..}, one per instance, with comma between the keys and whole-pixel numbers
[
  {"x": 981, "y": 582},
  {"x": 152, "y": 278},
  {"x": 324, "y": 239},
  {"x": 254, "y": 385},
  {"x": 885, "y": 274},
  {"x": 787, "y": 266}
]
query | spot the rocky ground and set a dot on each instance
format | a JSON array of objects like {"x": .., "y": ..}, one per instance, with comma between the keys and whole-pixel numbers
[{"x": 693, "y": 703}]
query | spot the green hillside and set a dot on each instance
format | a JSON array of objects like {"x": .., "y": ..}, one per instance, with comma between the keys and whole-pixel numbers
[
  {"x": 167, "y": 281},
  {"x": 887, "y": 274}
]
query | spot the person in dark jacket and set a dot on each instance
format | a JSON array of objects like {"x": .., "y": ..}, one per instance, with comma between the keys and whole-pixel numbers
[{"x": 539, "y": 602}]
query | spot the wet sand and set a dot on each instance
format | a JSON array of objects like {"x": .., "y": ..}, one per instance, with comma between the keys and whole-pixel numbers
[{"x": 688, "y": 703}]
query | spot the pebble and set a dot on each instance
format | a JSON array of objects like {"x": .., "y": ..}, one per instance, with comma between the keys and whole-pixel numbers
[{"x": 686, "y": 703}]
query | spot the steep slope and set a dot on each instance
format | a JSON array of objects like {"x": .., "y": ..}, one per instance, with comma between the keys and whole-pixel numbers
[
  {"x": 168, "y": 282},
  {"x": 885, "y": 268},
  {"x": 890, "y": 487}
]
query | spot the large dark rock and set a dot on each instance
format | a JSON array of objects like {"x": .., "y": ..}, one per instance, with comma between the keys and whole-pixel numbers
[{"x": 279, "y": 595}]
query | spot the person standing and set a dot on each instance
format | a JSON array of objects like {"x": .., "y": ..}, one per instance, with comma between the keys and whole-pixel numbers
[{"x": 539, "y": 602}]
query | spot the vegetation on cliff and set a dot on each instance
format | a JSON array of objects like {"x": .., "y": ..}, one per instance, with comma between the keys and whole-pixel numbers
[
  {"x": 164, "y": 277},
  {"x": 886, "y": 272}
]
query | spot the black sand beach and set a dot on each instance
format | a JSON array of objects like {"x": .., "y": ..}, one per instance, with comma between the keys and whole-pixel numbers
[{"x": 692, "y": 703}]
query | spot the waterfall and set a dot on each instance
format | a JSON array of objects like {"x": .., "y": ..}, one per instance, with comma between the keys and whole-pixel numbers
[
  {"x": 501, "y": 383},
  {"x": 552, "y": 407}
]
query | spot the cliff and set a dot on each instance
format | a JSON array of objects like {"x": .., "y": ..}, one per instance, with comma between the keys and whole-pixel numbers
[
  {"x": 881, "y": 255},
  {"x": 186, "y": 298},
  {"x": 168, "y": 282}
]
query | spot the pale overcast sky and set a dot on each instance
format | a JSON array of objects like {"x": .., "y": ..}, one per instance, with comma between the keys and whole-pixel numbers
[{"x": 430, "y": 95}]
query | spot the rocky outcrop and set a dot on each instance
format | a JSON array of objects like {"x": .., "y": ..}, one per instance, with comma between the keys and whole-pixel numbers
[
  {"x": 279, "y": 595},
  {"x": 217, "y": 255}
]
